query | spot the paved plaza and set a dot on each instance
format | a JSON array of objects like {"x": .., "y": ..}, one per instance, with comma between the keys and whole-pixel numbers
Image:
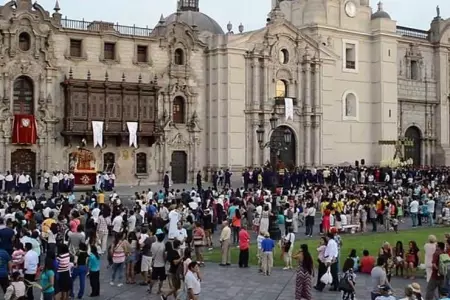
[{"x": 233, "y": 283}]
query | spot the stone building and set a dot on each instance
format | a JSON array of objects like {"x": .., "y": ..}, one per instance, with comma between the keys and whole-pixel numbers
[{"x": 205, "y": 98}]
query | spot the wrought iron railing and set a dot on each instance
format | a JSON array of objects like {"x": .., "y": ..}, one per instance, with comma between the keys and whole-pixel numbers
[
  {"x": 413, "y": 33},
  {"x": 99, "y": 26}
]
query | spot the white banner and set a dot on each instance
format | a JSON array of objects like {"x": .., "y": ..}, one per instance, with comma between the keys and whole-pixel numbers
[
  {"x": 289, "y": 108},
  {"x": 97, "y": 129},
  {"x": 132, "y": 129}
]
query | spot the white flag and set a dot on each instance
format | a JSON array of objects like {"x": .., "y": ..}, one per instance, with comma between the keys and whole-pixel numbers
[
  {"x": 97, "y": 129},
  {"x": 132, "y": 129},
  {"x": 289, "y": 108}
]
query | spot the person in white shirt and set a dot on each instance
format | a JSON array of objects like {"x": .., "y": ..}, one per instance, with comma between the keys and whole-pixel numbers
[
  {"x": 174, "y": 218},
  {"x": 9, "y": 184},
  {"x": 414, "y": 210},
  {"x": 95, "y": 213},
  {"x": 131, "y": 221},
  {"x": 310, "y": 215},
  {"x": 331, "y": 260},
  {"x": 150, "y": 195},
  {"x": 288, "y": 246},
  {"x": 117, "y": 224},
  {"x": 31, "y": 261},
  {"x": 181, "y": 235},
  {"x": 192, "y": 281}
]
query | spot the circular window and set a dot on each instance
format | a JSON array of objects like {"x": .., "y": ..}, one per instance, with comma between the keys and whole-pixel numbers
[
  {"x": 284, "y": 56},
  {"x": 24, "y": 41}
]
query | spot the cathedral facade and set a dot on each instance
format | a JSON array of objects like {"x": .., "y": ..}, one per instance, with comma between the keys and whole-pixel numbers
[{"x": 323, "y": 83}]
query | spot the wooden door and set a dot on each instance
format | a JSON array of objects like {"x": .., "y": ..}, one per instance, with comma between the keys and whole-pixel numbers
[
  {"x": 24, "y": 160},
  {"x": 179, "y": 167}
]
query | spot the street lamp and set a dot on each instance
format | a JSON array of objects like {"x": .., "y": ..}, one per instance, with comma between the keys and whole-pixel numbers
[
  {"x": 273, "y": 121},
  {"x": 260, "y": 134}
]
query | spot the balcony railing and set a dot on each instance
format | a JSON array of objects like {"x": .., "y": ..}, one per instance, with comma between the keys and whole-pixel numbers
[
  {"x": 99, "y": 26},
  {"x": 413, "y": 33},
  {"x": 280, "y": 100}
]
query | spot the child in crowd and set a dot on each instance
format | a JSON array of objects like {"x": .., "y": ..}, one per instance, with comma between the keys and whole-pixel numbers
[
  {"x": 355, "y": 259},
  {"x": 18, "y": 257}
]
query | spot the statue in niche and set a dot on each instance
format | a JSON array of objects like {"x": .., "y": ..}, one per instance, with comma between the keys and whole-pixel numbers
[{"x": 350, "y": 110}]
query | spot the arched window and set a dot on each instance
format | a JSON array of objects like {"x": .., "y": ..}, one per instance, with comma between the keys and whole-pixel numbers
[
  {"x": 179, "y": 57},
  {"x": 281, "y": 89},
  {"x": 109, "y": 162},
  {"x": 284, "y": 56},
  {"x": 23, "y": 96},
  {"x": 350, "y": 106},
  {"x": 178, "y": 110},
  {"x": 24, "y": 41},
  {"x": 141, "y": 163}
]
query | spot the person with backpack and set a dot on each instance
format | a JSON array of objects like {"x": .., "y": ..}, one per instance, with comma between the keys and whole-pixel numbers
[
  {"x": 440, "y": 271},
  {"x": 16, "y": 289},
  {"x": 288, "y": 218},
  {"x": 175, "y": 268}
]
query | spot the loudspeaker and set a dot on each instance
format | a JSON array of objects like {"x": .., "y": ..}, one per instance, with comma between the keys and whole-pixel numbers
[
  {"x": 356, "y": 163},
  {"x": 363, "y": 162}
]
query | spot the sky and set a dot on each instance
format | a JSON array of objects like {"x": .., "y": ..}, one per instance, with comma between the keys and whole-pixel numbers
[{"x": 251, "y": 13}]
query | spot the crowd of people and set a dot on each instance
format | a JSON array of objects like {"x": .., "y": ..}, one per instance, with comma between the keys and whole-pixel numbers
[{"x": 48, "y": 243}]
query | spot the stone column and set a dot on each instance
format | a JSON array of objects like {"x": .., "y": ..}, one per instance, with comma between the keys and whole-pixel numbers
[
  {"x": 7, "y": 150},
  {"x": 307, "y": 144},
  {"x": 256, "y": 83},
  {"x": 2, "y": 154},
  {"x": 317, "y": 117},
  {"x": 307, "y": 113},
  {"x": 255, "y": 146},
  {"x": 430, "y": 145},
  {"x": 265, "y": 74},
  {"x": 423, "y": 155}
]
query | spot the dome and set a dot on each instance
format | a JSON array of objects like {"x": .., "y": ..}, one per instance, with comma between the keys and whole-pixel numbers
[
  {"x": 202, "y": 21},
  {"x": 380, "y": 13}
]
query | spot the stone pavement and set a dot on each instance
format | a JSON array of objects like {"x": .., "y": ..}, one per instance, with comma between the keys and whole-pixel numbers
[{"x": 241, "y": 284}]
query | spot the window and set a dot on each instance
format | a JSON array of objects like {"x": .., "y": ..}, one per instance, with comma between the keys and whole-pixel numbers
[
  {"x": 23, "y": 96},
  {"x": 178, "y": 110},
  {"x": 141, "y": 163},
  {"x": 142, "y": 54},
  {"x": 109, "y": 51},
  {"x": 281, "y": 89},
  {"x": 24, "y": 41},
  {"x": 284, "y": 56},
  {"x": 350, "y": 56},
  {"x": 414, "y": 70},
  {"x": 75, "y": 48},
  {"x": 350, "y": 106},
  {"x": 109, "y": 162},
  {"x": 179, "y": 57}
]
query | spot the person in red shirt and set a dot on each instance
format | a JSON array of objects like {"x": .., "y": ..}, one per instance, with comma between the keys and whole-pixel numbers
[
  {"x": 367, "y": 262},
  {"x": 244, "y": 244}
]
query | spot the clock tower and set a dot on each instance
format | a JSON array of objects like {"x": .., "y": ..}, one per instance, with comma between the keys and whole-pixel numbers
[{"x": 345, "y": 14}]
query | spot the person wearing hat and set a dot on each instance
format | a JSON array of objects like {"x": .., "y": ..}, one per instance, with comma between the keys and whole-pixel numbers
[
  {"x": 412, "y": 291},
  {"x": 267, "y": 249}
]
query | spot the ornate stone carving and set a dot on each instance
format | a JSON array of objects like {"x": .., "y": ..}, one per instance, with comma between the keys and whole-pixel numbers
[
  {"x": 7, "y": 127},
  {"x": 178, "y": 141},
  {"x": 194, "y": 123}
]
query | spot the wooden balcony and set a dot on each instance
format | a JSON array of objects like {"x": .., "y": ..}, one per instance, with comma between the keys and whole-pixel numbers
[{"x": 114, "y": 103}]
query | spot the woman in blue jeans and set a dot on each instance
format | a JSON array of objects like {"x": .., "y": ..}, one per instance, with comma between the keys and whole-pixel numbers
[
  {"x": 119, "y": 250},
  {"x": 80, "y": 270}
]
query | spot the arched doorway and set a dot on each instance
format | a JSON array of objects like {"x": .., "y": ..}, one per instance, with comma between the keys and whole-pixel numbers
[
  {"x": 24, "y": 160},
  {"x": 282, "y": 154},
  {"x": 179, "y": 167},
  {"x": 23, "y": 94},
  {"x": 414, "y": 152}
]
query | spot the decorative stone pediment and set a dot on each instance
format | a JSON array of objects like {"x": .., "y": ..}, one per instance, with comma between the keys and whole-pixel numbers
[{"x": 178, "y": 140}]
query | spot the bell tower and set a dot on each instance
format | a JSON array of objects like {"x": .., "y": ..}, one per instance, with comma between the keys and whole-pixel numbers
[{"x": 188, "y": 5}]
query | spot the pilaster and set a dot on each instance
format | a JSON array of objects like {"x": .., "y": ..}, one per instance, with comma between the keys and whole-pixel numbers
[
  {"x": 256, "y": 83},
  {"x": 2, "y": 154},
  {"x": 255, "y": 146},
  {"x": 307, "y": 143}
]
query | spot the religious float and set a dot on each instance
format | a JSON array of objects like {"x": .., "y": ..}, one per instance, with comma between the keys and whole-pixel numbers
[{"x": 83, "y": 166}]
